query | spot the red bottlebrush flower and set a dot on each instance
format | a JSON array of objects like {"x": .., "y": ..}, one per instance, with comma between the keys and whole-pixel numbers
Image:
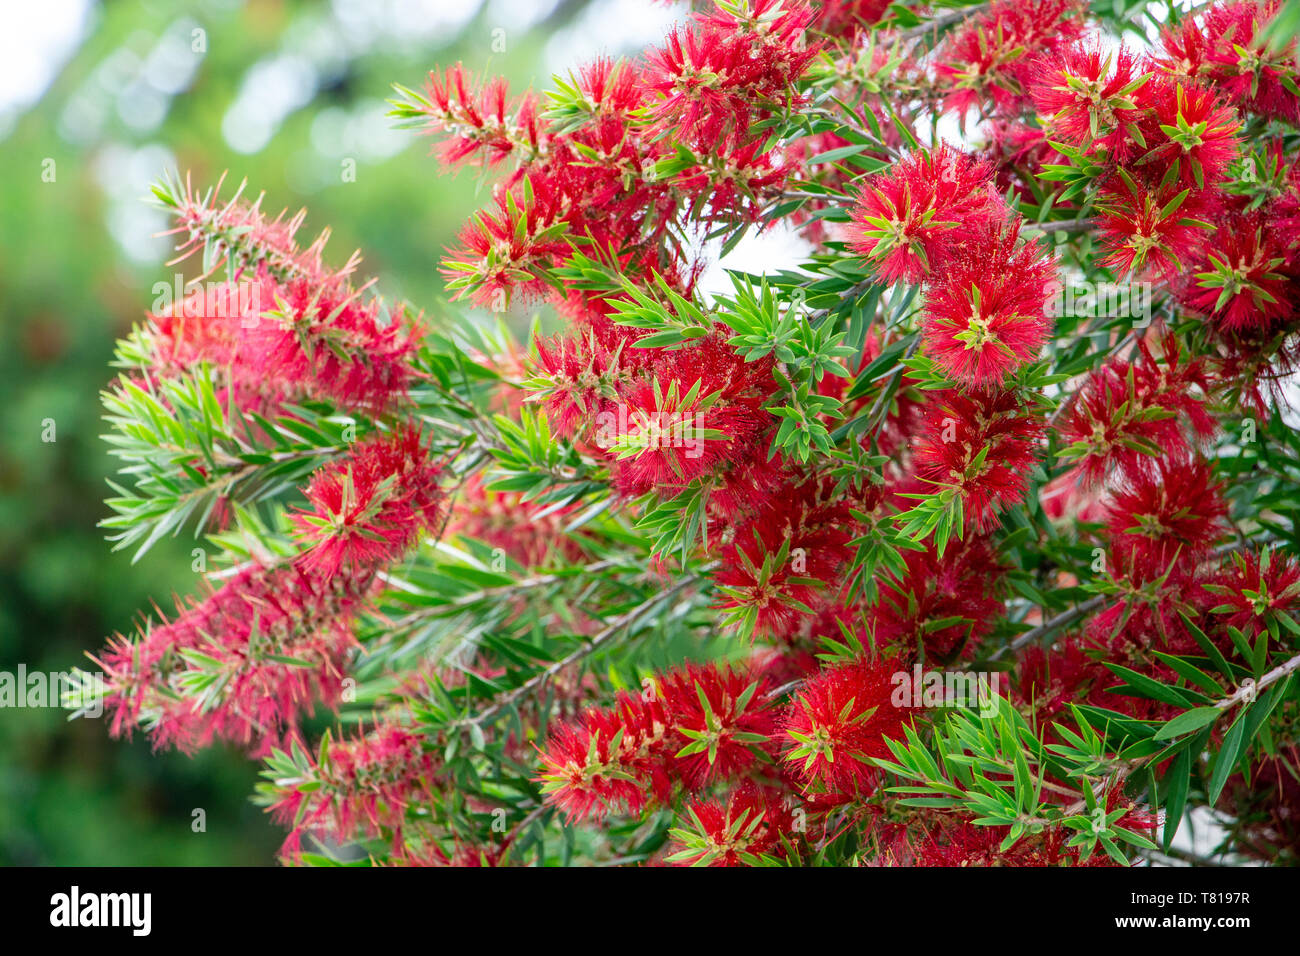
[
  {"x": 982, "y": 445},
  {"x": 738, "y": 181},
  {"x": 610, "y": 760},
  {"x": 241, "y": 665},
  {"x": 1127, "y": 414},
  {"x": 1189, "y": 128},
  {"x": 961, "y": 585},
  {"x": 737, "y": 832},
  {"x": 369, "y": 509},
  {"x": 509, "y": 252},
  {"x": 1253, "y": 589},
  {"x": 270, "y": 344},
  {"x": 205, "y": 326},
  {"x": 1238, "y": 282},
  {"x": 987, "y": 314},
  {"x": 254, "y": 242},
  {"x": 840, "y": 720},
  {"x": 285, "y": 327},
  {"x": 1091, "y": 95},
  {"x": 690, "y": 726},
  {"x": 1145, "y": 615},
  {"x": 712, "y": 79},
  {"x": 992, "y": 56},
  {"x": 329, "y": 345},
  {"x": 363, "y": 787},
  {"x": 785, "y": 554},
  {"x": 578, "y": 375},
  {"x": 911, "y": 220},
  {"x": 1148, "y": 232},
  {"x": 484, "y": 127},
  {"x": 1172, "y": 512},
  {"x": 1224, "y": 47},
  {"x": 701, "y": 411},
  {"x": 722, "y": 715}
]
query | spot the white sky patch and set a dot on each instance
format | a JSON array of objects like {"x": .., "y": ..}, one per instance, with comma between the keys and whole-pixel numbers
[
  {"x": 36, "y": 39},
  {"x": 617, "y": 26},
  {"x": 778, "y": 247},
  {"x": 519, "y": 15}
]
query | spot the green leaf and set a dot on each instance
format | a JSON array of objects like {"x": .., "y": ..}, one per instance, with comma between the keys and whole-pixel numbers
[{"x": 1187, "y": 722}]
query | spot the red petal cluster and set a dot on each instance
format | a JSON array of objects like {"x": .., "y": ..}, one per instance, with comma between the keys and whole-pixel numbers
[
  {"x": 840, "y": 720},
  {"x": 981, "y": 444},
  {"x": 912, "y": 220},
  {"x": 688, "y": 727},
  {"x": 368, "y": 509},
  {"x": 986, "y": 315}
]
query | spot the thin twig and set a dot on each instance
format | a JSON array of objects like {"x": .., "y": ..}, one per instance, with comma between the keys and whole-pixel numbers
[
  {"x": 938, "y": 23},
  {"x": 587, "y": 647}
]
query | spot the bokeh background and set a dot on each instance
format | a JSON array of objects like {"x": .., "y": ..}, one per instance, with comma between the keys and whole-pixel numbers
[{"x": 97, "y": 100}]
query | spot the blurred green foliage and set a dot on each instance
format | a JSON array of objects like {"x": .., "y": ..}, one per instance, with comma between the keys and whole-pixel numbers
[{"x": 77, "y": 269}]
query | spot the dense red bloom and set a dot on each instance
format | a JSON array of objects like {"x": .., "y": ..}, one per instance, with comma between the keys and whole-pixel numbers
[
  {"x": 699, "y": 413},
  {"x": 713, "y": 77},
  {"x": 364, "y": 786},
  {"x": 1090, "y": 96},
  {"x": 738, "y": 179},
  {"x": 604, "y": 763},
  {"x": 960, "y": 586},
  {"x": 369, "y": 509},
  {"x": 840, "y": 720},
  {"x": 241, "y": 665},
  {"x": 1238, "y": 282},
  {"x": 1173, "y": 511},
  {"x": 785, "y": 553},
  {"x": 284, "y": 327},
  {"x": 981, "y": 444},
  {"x": 722, "y": 716},
  {"x": 662, "y": 418},
  {"x": 734, "y": 832},
  {"x": 986, "y": 315},
  {"x": 332, "y": 346},
  {"x": 508, "y": 252},
  {"x": 1127, "y": 413},
  {"x": 1191, "y": 129},
  {"x": 483, "y": 125},
  {"x": 912, "y": 220},
  {"x": 1253, "y": 588},
  {"x": 271, "y": 343},
  {"x": 1148, "y": 232},
  {"x": 579, "y": 374},
  {"x": 992, "y": 56},
  {"x": 1223, "y": 47},
  {"x": 690, "y": 726}
]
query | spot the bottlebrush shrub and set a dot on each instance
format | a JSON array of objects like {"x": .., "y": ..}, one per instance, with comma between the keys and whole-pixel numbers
[{"x": 966, "y": 539}]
